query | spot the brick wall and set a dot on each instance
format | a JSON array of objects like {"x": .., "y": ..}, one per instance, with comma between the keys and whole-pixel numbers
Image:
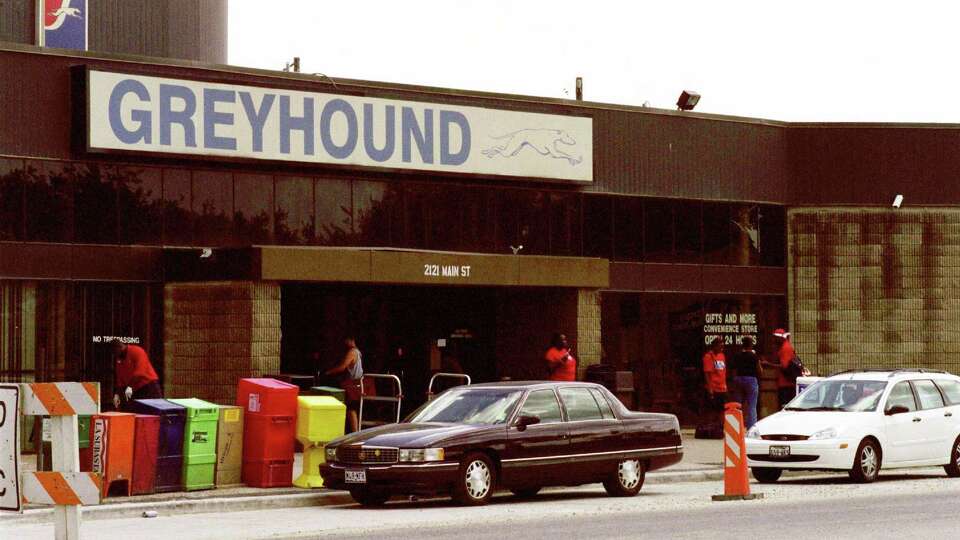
[
  {"x": 875, "y": 288},
  {"x": 216, "y": 333}
]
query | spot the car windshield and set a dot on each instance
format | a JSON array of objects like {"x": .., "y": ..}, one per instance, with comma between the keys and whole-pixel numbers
[
  {"x": 839, "y": 395},
  {"x": 469, "y": 406}
]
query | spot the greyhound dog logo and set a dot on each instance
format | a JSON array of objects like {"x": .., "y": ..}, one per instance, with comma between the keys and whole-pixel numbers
[
  {"x": 546, "y": 142},
  {"x": 56, "y": 17}
]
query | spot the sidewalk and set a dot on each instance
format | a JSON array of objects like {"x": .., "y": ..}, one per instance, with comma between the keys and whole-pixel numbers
[{"x": 701, "y": 462}]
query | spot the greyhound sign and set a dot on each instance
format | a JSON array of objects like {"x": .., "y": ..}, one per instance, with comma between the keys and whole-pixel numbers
[{"x": 135, "y": 113}]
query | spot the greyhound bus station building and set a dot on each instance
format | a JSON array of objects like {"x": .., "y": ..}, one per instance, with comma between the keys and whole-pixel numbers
[{"x": 238, "y": 222}]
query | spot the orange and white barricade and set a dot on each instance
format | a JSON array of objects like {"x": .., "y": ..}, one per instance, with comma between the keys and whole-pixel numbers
[
  {"x": 65, "y": 487},
  {"x": 736, "y": 483}
]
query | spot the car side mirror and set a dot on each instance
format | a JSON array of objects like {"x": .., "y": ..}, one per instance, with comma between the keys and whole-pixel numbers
[
  {"x": 896, "y": 409},
  {"x": 525, "y": 421}
]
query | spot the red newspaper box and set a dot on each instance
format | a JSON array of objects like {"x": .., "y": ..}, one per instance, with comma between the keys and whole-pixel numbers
[
  {"x": 270, "y": 473},
  {"x": 146, "y": 442},
  {"x": 267, "y": 396},
  {"x": 111, "y": 442}
]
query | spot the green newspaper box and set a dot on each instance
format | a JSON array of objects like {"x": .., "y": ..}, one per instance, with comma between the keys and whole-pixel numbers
[{"x": 199, "y": 443}]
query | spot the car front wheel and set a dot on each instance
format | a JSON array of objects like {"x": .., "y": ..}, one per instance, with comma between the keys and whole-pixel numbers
[
  {"x": 866, "y": 465},
  {"x": 953, "y": 468},
  {"x": 475, "y": 480},
  {"x": 627, "y": 479},
  {"x": 766, "y": 475}
]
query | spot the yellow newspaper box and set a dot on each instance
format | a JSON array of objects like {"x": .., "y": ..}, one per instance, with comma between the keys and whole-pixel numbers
[
  {"x": 319, "y": 420},
  {"x": 229, "y": 445}
]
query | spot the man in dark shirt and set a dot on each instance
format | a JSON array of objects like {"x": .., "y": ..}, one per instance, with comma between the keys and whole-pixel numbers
[{"x": 746, "y": 370}]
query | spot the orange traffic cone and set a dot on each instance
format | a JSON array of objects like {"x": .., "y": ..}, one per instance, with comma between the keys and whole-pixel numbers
[{"x": 736, "y": 483}]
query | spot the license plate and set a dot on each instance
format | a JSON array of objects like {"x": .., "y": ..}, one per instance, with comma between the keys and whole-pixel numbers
[
  {"x": 779, "y": 451},
  {"x": 355, "y": 477}
]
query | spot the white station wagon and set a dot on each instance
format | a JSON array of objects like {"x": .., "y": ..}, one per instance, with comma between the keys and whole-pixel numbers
[{"x": 860, "y": 421}]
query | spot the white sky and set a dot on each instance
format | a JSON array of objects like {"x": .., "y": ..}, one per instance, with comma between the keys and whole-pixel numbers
[{"x": 815, "y": 60}]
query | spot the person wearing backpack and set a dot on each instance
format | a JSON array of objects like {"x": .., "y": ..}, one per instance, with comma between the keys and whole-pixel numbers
[{"x": 788, "y": 367}]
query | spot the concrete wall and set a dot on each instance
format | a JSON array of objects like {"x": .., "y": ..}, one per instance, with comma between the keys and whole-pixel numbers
[
  {"x": 875, "y": 288},
  {"x": 216, "y": 333}
]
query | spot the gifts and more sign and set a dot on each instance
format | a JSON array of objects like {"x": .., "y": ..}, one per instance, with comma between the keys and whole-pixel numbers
[{"x": 730, "y": 327}]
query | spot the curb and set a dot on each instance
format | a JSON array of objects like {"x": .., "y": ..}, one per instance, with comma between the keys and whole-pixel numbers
[{"x": 239, "y": 503}]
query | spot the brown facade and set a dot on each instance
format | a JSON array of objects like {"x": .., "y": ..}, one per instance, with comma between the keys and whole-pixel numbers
[{"x": 183, "y": 29}]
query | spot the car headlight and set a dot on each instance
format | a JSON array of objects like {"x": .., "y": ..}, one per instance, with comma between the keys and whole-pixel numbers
[
  {"x": 753, "y": 433},
  {"x": 330, "y": 453},
  {"x": 421, "y": 454},
  {"x": 828, "y": 433}
]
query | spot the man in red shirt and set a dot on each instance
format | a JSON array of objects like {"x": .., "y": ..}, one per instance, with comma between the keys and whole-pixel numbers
[
  {"x": 562, "y": 364},
  {"x": 134, "y": 377},
  {"x": 786, "y": 387},
  {"x": 715, "y": 373}
]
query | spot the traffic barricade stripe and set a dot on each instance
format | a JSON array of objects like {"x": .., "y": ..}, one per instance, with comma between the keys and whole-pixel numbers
[
  {"x": 61, "y": 399},
  {"x": 45, "y": 487}
]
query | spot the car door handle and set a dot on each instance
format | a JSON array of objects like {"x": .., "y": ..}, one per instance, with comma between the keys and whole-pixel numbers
[
  {"x": 916, "y": 419},
  {"x": 615, "y": 432}
]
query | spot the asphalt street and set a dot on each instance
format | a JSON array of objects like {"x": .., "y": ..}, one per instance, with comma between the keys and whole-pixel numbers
[{"x": 897, "y": 506}]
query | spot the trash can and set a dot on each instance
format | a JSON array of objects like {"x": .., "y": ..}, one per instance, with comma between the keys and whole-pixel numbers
[
  {"x": 112, "y": 449},
  {"x": 623, "y": 388},
  {"x": 229, "y": 445},
  {"x": 319, "y": 420},
  {"x": 146, "y": 440},
  {"x": 269, "y": 431},
  {"x": 170, "y": 441},
  {"x": 199, "y": 443}
]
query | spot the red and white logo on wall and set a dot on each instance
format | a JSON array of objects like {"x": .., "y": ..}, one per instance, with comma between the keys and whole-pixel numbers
[{"x": 62, "y": 24}]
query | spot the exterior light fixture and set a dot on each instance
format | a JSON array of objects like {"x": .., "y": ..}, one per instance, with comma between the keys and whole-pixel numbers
[
  {"x": 688, "y": 100},
  {"x": 897, "y": 201}
]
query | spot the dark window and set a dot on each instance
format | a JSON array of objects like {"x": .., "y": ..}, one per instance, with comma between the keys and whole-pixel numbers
[
  {"x": 658, "y": 230},
  {"x": 253, "y": 208},
  {"x": 213, "y": 208},
  {"x": 479, "y": 220},
  {"x": 533, "y": 221},
  {"x": 49, "y": 202},
  {"x": 580, "y": 405},
  {"x": 901, "y": 394},
  {"x": 773, "y": 236},
  {"x": 334, "y": 212},
  {"x": 508, "y": 220},
  {"x": 140, "y": 205},
  {"x": 416, "y": 220},
  {"x": 598, "y": 226},
  {"x": 371, "y": 212},
  {"x": 687, "y": 226},
  {"x": 928, "y": 394},
  {"x": 602, "y": 402},
  {"x": 443, "y": 213},
  {"x": 951, "y": 390},
  {"x": 745, "y": 234},
  {"x": 12, "y": 179},
  {"x": 294, "y": 219},
  {"x": 542, "y": 404},
  {"x": 95, "y": 203},
  {"x": 628, "y": 229},
  {"x": 716, "y": 233},
  {"x": 177, "y": 217},
  {"x": 565, "y": 232}
]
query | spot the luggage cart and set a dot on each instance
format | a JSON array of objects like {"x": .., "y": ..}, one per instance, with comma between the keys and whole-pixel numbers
[
  {"x": 396, "y": 397},
  {"x": 458, "y": 376}
]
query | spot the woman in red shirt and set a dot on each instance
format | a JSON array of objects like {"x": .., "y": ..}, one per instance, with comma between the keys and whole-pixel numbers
[{"x": 715, "y": 373}]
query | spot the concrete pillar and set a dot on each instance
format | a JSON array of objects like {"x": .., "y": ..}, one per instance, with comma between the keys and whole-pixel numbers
[
  {"x": 588, "y": 338},
  {"x": 216, "y": 333}
]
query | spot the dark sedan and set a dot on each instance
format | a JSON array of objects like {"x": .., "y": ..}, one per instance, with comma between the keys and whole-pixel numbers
[{"x": 521, "y": 436}]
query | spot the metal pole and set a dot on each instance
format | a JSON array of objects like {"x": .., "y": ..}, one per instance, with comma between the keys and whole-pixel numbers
[{"x": 66, "y": 458}]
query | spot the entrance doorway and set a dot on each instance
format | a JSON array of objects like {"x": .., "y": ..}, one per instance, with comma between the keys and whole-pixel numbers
[{"x": 411, "y": 332}]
